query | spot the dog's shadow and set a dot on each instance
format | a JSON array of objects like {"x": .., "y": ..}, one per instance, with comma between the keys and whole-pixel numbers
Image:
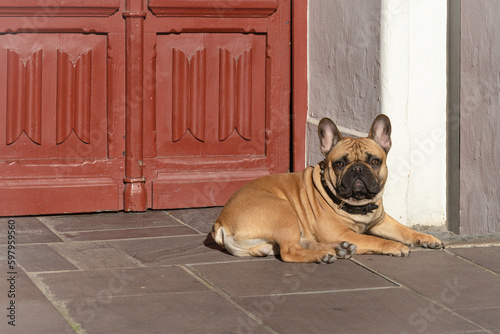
[{"x": 209, "y": 242}]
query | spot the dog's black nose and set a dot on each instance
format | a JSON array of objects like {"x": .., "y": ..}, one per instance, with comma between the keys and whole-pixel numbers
[{"x": 358, "y": 168}]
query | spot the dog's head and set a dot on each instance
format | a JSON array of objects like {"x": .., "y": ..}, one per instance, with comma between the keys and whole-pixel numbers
[{"x": 355, "y": 168}]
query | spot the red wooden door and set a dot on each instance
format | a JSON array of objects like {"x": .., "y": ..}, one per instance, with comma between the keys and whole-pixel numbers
[
  {"x": 113, "y": 105},
  {"x": 60, "y": 119}
]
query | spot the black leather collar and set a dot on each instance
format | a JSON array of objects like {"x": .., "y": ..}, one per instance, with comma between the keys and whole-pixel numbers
[{"x": 351, "y": 209}]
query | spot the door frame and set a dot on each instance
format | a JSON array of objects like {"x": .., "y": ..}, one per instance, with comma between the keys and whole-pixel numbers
[{"x": 299, "y": 108}]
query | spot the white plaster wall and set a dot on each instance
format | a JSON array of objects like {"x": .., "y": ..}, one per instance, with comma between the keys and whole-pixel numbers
[
  {"x": 413, "y": 95},
  {"x": 413, "y": 81},
  {"x": 344, "y": 67}
]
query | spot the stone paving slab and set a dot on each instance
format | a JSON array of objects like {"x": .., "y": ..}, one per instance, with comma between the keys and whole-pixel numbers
[
  {"x": 189, "y": 249},
  {"x": 160, "y": 272},
  {"x": 41, "y": 257},
  {"x": 108, "y": 221},
  {"x": 441, "y": 276},
  {"x": 262, "y": 277},
  {"x": 488, "y": 257},
  {"x": 199, "y": 312},
  {"x": 200, "y": 219},
  {"x": 34, "y": 313},
  {"x": 130, "y": 233},
  {"x": 25, "y": 290},
  {"x": 94, "y": 255},
  {"x": 29, "y": 230},
  {"x": 391, "y": 310},
  {"x": 119, "y": 282},
  {"x": 36, "y": 316},
  {"x": 487, "y": 318}
]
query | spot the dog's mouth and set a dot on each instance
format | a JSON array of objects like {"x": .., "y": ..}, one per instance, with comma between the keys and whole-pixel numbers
[{"x": 358, "y": 188}]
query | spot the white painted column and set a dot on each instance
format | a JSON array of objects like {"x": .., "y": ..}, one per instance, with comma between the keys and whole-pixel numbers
[
  {"x": 413, "y": 81},
  {"x": 394, "y": 63}
]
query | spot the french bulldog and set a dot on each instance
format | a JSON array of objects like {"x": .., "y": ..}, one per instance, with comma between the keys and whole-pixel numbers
[{"x": 328, "y": 211}]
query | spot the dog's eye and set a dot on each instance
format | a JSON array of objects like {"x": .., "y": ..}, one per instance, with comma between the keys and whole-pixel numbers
[
  {"x": 339, "y": 163},
  {"x": 375, "y": 162}
]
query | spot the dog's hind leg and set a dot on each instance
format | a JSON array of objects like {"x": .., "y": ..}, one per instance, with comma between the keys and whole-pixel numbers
[
  {"x": 296, "y": 253},
  {"x": 264, "y": 250},
  {"x": 246, "y": 247},
  {"x": 291, "y": 249}
]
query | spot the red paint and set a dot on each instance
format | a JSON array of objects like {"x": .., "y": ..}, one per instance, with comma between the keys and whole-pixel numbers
[
  {"x": 32, "y": 8},
  {"x": 221, "y": 96},
  {"x": 61, "y": 132},
  {"x": 73, "y": 96},
  {"x": 24, "y": 111},
  {"x": 130, "y": 105},
  {"x": 135, "y": 194},
  {"x": 213, "y": 8}
]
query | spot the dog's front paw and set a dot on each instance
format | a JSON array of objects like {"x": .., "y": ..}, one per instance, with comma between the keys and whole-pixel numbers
[
  {"x": 428, "y": 241},
  {"x": 328, "y": 258},
  {"x": 345, "y": 250},
  {"x": 395, "y": 249}
]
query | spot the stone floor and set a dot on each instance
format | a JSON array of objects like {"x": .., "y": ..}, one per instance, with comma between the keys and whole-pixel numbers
[{"x": 158, "y": 272}]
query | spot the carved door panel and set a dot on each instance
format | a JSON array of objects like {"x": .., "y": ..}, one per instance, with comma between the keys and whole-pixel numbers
[
  {"x": 52, "y": 99},
  {"x": 221, "y": 91},
  {"x": 213, "y": 100},
  {"x": 61, "y": 141}
]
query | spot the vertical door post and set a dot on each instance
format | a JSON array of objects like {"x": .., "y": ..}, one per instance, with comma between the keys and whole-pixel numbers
[
  {"x": 135, "y": 194},
  {"x": 299, "y": 83}
]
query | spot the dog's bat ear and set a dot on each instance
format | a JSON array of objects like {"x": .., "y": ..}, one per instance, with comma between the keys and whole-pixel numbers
[
  {"x": 329, "y": 135},
  {"x": 381, "y": 132}
]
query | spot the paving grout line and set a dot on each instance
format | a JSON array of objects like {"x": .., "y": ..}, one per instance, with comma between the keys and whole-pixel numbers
[
  {"x": 86, "y": 299},
  {"x": 181, "y": 222},
  {"x": 132, "y": 238},
  {"x": 53, "y": 271},
  {"x": 106, "y": 240},
  {"x": 479, "y": 308},
  {"x": 51, "y": 229},
  {"x": 451, "y": 311},
  {"x": 76, "y": 264},
  {"x": 443, "y": 306},
  {"x": 59, "y": 305},
  {"x": 471, "y": 262},
  {"x": 41, "y": 219},
  {"x": 66, "y": 258},
  {"x": 375, "y": 272},
  {"x": 247, "y": 260},
  {"x": 320, "y": 292},
  {"x": 133, "y": 259},
  {"x": 474, "y": 245},
  {"x": 100, "y": 269},
  {"x": 212, "y": 287},
  {"x": 125, "y": 229},
  {"x": 464, "y": 332}
]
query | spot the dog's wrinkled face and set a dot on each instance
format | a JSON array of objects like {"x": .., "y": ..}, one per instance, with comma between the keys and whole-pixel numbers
[{"x": 356, "y": 168}]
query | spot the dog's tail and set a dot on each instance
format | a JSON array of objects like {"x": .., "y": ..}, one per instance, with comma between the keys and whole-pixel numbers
[{"x": 218, "y": 233}]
